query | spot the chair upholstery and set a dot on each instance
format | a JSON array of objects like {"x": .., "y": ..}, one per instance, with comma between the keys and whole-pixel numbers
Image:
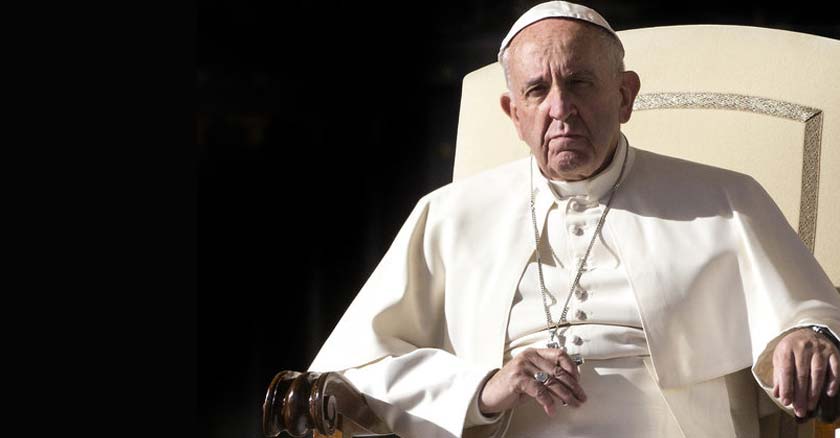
[{"x": 759, "y": 101}]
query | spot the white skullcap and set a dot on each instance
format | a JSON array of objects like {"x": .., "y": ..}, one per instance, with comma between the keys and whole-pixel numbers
[{"x": 555, "y": 9}]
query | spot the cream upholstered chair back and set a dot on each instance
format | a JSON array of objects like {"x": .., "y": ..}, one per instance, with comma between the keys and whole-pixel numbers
[
  {"x": 763, "y": 102},
  {"x": 759, "y": 101}
]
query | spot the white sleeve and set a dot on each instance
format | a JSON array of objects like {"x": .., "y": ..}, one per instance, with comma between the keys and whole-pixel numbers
[
  {"x": 474, "y": 415},
  {"x": 425, "y": 393},
  {"x": 391, "y": 341}
]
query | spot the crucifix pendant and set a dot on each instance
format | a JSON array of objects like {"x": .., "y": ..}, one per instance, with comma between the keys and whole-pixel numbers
[{"x": 554, "y": 341}]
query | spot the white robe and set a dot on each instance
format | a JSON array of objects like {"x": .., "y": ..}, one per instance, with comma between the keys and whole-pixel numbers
[{"x": 716, "y": 271}]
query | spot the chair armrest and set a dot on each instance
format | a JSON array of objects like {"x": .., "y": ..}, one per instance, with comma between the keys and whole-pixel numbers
[{"x": 300, "y": 403}]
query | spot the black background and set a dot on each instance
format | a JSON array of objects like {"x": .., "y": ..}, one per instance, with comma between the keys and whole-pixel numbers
[{"x": 318, "y": 125}]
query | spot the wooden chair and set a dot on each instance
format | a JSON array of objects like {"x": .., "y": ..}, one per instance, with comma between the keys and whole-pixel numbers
[{"x": 758, "y": 101}]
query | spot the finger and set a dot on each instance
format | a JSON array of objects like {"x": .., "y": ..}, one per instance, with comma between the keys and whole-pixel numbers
[
  {"x": 565, "y": 362},
  {"x": 562, "y": 393},
  {"x": 545, "y": 359},
  {"x": 818, "y": 371},
  {"x": 833, "y": 374},
  {"x": 559, "y": 390},
  {"x": 803, "y": 374},
  {"x": 567, "y": 388},
  {"x": 574, "y": 390},
  {"x": 559, "y": 357},
  {"x": 539, "y": 392},
  {"x": 571, "y": 384},
  {"x": 785, "y": 378},
  {"x": 777, "y": 367}
]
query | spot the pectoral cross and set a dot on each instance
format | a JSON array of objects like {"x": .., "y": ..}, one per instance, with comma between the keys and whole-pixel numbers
[{"x": 556, "y": 339}]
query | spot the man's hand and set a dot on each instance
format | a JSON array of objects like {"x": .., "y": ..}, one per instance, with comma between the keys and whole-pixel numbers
[
  {"x": 515, "y": 382},
  {"x": 805, "y": 363}
]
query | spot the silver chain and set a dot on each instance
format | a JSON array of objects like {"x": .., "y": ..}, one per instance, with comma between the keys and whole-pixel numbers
[{"x": 550, "y": 323}]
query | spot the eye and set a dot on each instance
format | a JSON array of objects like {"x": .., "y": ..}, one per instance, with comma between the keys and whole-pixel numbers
[{"x": 536, "y": 90}]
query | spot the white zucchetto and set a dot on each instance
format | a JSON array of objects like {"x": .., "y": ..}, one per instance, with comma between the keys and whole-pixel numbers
[{"x": 555, "y": 9}]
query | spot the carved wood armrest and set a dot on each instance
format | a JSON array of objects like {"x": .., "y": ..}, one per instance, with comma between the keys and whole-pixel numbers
[
  {"x": 827, "y": 414},
  {"x": 321, "y": 403}
]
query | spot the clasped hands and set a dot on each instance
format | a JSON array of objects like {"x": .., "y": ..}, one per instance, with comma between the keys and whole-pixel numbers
[
  {"x": 514, "y": 383},
  {"x": 805, "y": 363}
]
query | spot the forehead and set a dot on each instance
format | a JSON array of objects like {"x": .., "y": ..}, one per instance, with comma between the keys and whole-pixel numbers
[{"x": 569, "y": 43}]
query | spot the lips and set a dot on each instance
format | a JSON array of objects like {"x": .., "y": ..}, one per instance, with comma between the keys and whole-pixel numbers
[
  {"x": 565, "y": 142},
  {"x": 568, "y": 136},
  {"x": 562, "y": 136}
]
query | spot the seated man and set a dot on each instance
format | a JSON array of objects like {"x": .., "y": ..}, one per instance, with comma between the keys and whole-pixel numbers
[{"x": 593, "y": 289}]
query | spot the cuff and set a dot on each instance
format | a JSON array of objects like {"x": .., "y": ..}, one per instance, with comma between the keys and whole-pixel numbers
[
  {"x": 827, "y": 332},
  {"x": 474, "y": 415}
]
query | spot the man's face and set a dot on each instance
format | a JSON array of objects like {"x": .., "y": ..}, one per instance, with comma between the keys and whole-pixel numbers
[{"x": 567, "y": 98}]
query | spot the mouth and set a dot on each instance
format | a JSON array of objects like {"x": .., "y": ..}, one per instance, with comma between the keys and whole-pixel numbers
[
  {"x": 563, "y": 136},
  {"x": 565, "y": 142}
]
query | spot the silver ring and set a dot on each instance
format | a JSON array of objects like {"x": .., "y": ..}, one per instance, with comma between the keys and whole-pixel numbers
[
  {"x": 541, "y": 377},
  {"x": 577, "y": 358}
]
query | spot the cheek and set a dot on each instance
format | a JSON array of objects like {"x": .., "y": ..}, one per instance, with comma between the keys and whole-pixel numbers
[
  {"x": 529, "y": 127},
  {"x": 603, "y": 128},
  {"x": 538, "y": 124}
]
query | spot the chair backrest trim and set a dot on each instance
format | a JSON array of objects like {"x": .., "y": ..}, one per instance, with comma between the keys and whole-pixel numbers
[{"x": 812, "y": 117}]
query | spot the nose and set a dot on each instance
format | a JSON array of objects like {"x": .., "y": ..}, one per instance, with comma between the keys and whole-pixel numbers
[{"x": 560, "y": 104}]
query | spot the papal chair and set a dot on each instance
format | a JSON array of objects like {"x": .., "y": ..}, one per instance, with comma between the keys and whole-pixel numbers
[{"x": 759, "y": 101}]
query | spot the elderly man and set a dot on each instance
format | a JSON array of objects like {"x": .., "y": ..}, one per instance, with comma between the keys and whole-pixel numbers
[{"x": 594, "y": 289}]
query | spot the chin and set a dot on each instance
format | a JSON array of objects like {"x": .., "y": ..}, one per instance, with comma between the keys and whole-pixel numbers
[{"x": 575, "y": 164}]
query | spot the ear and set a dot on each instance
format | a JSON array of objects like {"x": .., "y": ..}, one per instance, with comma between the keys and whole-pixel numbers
[
  {"x": 510, "y": 109},
  {"x": 630, "y": 85}
]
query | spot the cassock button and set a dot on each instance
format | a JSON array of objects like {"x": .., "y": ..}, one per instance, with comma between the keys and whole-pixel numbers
[
  {"x": 577, "y": 340},
  {"x": 581, "y": 315},
  {"x": 577, "y": 231},
  {"x": 581, "y": 294}
]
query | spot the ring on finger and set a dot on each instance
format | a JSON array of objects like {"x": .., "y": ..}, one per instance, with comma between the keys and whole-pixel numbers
[{"x": 541, "y": 376}]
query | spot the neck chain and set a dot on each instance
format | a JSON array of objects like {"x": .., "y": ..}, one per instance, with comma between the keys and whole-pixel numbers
[{"x": 555, "y": 327}]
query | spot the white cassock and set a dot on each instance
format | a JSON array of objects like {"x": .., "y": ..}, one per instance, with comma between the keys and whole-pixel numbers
[
  {"x": 693, "y": 279},
  {"x": 605, "y": 326}
]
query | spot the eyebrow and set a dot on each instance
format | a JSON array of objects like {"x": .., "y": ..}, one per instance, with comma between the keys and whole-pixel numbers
[
  {"x": 583, "y": 73},
  {"x": 575, "y": 74},
  {"x": 534, "y": 81}
]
